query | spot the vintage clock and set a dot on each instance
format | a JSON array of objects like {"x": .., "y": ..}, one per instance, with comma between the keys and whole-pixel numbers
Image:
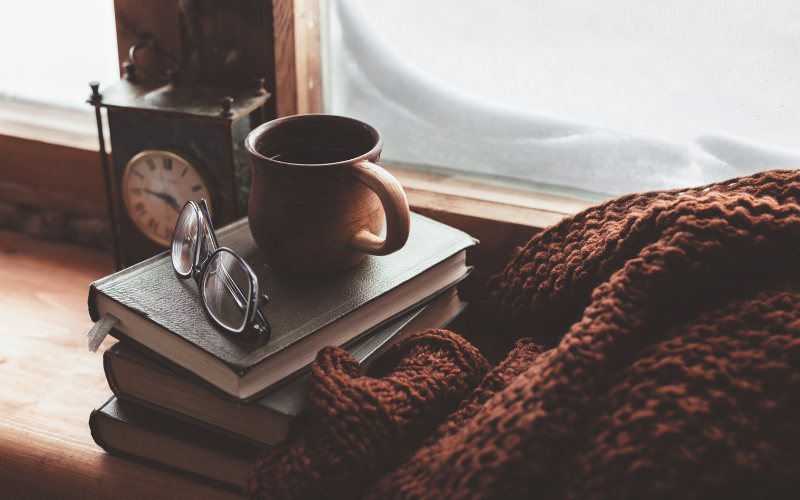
[
  {"x": 155, "y": 184},
  {"x": 171, "y": 143}
]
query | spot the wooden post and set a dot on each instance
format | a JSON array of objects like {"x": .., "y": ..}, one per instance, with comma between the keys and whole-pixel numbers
[
  {"x": 160, "y": 18},
  {"x": 298, "y": 74},
  {"x": 296, "y": 35}
]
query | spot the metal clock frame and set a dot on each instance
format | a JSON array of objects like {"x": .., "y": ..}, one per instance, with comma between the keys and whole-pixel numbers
[{"x": 176, "y": 155}]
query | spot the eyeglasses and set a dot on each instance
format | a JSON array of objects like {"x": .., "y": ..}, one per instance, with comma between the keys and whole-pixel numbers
[{"x": 228, "y": 286}]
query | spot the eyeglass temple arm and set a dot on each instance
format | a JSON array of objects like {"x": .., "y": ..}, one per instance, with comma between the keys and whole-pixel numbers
[
  {"x": 265, "y": 326},
  {"x": 263, "y": 322}
]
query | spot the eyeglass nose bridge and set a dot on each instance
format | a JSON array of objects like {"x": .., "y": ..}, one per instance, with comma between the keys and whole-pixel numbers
[
  {"x": 197, "y": 271},
  {"x": 201, "y": 260},
  {"x": 205, "y": 235}
]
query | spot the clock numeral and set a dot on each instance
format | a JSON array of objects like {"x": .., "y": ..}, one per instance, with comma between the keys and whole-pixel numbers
[
  {"x": 168, "y": 233},
  {"x": 151, "y": 222},
  {"x": 167, "y": 163},
  {"x": 136, "y": 191},
  {"x": 197, "y": 188},
  {"x": 151, "y": 164},
  {"x": 184, "y": 171},
  {"x": 138, "y": 174},
  {"x": 139, "y": 207}
]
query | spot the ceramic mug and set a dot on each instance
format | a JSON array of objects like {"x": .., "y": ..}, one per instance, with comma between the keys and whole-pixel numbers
[{"x": 318, "y": 197}]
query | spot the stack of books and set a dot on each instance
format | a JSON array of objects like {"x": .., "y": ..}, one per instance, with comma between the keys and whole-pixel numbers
[{"x": 190, "y": 400}]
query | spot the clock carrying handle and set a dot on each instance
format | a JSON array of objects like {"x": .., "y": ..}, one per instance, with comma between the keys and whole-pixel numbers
[
  {"x": 395, "y": 206},
  {"x": 147, "y": 42}
]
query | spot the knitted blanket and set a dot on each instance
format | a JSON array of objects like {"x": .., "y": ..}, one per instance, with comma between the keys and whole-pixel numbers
[{"x": 673, "y": 326}]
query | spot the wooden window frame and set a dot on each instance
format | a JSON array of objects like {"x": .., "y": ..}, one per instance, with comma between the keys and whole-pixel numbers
[{"x": 48, "y": 165}]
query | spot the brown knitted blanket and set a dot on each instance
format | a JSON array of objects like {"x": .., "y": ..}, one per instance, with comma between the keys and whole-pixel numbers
[{"x": 673, "y": 322}]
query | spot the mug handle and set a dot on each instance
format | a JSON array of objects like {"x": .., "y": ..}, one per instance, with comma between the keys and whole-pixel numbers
[{"x": 395, "y": 206}]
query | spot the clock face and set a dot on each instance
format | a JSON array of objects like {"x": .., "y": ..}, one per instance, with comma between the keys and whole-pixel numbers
[{"x": 155, "y": 186}]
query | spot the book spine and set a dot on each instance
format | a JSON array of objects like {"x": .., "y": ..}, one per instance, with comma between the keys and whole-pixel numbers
[
  {"x": 174, "y": 470},
  {"x": 174, "y": 367},
  {"x": 108, "y": 369},
  {"x": 93, "y": 424},
  {"x": 94, "y": 419},
  {"x": 190, "y": 420},
  {"x": 92, "y": 303},
  {"x": 108, "y": 366}
]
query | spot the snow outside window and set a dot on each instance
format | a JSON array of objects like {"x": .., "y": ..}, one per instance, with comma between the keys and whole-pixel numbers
[
  {"x": 607, "y": 96},
  {"x": 51, "y": 49}
]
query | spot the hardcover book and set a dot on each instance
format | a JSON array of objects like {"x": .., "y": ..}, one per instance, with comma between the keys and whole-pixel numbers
[
  {"x": 145, "y": 436},
  {"x": 160, "y": 385},
  {"x": 306, "y": 312}
]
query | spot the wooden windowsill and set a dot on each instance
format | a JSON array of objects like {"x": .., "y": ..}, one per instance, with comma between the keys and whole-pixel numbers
[
  {"x": 62, "y": 127},
  {"x": 502, "y": 218},
  {"x": 523, "y": 207},
  {"x": 50, "y": 158},
  {"x": 51, "y": 161},
  {"x": 51, "y": 382},
  {"x": 78, "y": 131}
]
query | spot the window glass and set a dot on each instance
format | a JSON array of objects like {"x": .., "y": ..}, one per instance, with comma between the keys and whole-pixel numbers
[
  {"x": 609, "y": 96},
  {"x": 51, "y": 49}
]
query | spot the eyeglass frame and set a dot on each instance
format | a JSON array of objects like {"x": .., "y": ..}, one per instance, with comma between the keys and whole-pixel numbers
[{"x": 255, "y": 328}]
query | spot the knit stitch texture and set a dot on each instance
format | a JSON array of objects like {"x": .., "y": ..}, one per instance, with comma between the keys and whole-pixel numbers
[{"x": 673, "y": 320}]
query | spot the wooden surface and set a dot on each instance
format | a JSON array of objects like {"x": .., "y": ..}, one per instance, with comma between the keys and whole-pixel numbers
[
  {"x": 218, "y": 43},
  {"x": 157, "y": 17},
  {"x": 501, "y": 218},
  {"x": 50, "y": 384},
  {"x": 307, "y": 56},
  {"x": 59, "y": 126},
  {"x": 298, "y": 73},
  {"x": 51, "y": 176},
  {"x": 69, "y": 179}
]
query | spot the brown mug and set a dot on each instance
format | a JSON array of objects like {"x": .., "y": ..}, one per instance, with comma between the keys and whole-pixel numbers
[{"x": 317, "y": 198}]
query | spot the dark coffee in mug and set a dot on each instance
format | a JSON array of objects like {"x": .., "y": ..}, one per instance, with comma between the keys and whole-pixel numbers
[{"x": 317, "y": 156}]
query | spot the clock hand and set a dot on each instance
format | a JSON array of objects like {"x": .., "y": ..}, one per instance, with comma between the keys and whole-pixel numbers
[{"x": 168, "y": 198}]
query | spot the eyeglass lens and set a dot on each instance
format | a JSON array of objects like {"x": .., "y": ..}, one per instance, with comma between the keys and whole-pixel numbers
[
  {"x": 184, "y": 240},
  {"x": 227, "y": 290}
]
